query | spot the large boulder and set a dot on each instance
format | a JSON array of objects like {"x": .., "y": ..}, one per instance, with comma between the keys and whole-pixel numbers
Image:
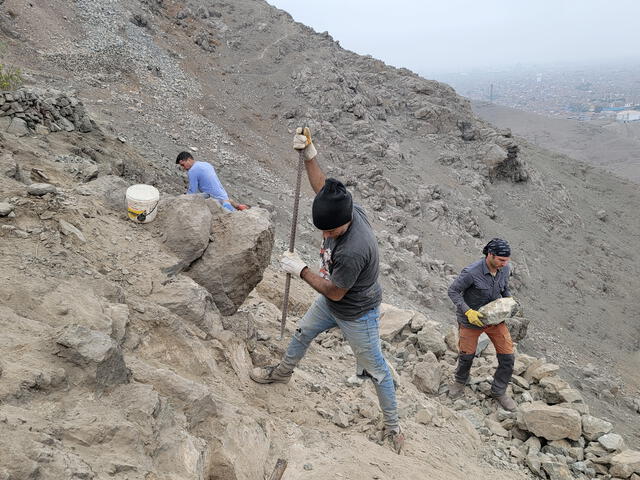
[
  {"x": 233, "y": 263},
  {"x": 186, "y": 222},
  {"x": 550, "y": 422}
]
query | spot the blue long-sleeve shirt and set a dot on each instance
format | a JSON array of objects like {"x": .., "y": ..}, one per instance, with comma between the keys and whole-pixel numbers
[
  {"x": 203, "y": 178},
  {"x": 475, "y": 287}
]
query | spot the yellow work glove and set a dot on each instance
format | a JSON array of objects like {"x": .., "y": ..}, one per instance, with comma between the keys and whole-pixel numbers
[
  {"x": 474, "y": 317},
  {"x": 302, "y": 141}
]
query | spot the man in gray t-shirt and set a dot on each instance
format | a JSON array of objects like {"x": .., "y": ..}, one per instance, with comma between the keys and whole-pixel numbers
[{"x": 350, "y": 294}]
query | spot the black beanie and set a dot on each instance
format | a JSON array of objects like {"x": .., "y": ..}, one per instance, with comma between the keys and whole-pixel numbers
[
  {"x": 498, "y": 247},
  {"x": 333, "y": 206}
]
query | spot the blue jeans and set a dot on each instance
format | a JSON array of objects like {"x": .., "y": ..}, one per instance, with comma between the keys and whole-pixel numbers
[{"x": 363, "y": 337}]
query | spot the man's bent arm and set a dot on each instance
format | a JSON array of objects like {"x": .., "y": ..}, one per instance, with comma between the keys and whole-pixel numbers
[
  {"x": 315, "y": 174},
  {"x": 323, "y": 286}
]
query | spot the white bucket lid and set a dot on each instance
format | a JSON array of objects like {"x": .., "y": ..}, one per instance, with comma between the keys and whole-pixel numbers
[{"x": 143, "y": 193}]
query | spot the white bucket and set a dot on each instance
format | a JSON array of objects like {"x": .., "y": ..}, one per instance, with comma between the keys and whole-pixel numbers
[{"x": 142, "y": 203}]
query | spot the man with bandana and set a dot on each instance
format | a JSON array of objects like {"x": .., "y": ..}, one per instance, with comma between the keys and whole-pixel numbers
[{"x": 478, "y": 284}]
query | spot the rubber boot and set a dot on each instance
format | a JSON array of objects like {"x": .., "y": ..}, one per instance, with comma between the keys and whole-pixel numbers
[
  {"x": 502, "y": 375},
  {"x": 501, "y": 379},
  {"x": 465, "y": 360}
]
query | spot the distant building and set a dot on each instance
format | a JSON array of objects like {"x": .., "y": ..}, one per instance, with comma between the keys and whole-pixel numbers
[{"x": 628, "y": 116}]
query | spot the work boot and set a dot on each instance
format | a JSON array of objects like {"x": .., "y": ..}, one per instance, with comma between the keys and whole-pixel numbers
[
  {"x": 505, "y": 401},
  {"x": 394, "y": 438},
  {"x": 273, "y": 374},
  {"x": 456, "y": 390}
]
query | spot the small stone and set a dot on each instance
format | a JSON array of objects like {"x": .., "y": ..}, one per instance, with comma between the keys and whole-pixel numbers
[
  {"x": 355, "y": 381},
  {"x": 519, "y": 381},
  {"x": 307, "y": 466},
  {"x": 601, "y": 215},
  {"x": 425, "y": 416},
  {"x": 67, "y": 229},
  {"x": 5, "y": 209},
  {"x": 341, "y": 419}
]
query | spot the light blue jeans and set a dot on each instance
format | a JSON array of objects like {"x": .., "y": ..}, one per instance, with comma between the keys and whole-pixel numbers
[{"x": 363, "y": 337}]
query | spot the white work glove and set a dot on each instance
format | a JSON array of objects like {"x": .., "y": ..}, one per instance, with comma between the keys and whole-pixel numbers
[
  {"x": 291, "y": 263},
  {"x": 302, "y": 141}
]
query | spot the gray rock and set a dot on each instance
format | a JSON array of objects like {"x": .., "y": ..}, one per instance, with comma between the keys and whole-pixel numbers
[
  {"x": 192, "y": 302},
  {"x": 340, "y": 419},
  {"x": 498, "y": 311},
  {"x": 556, "y": 470},
  {"x": 119, "y": 314},
  {"x": 186, "y": 221},
  {"x": 625, "y": 464},
  {"x": 519, "y": 381},
  {"x": 109, "y": 189},
  {"x": 550, "y": 422},
  {"x": 234, "y": 262},
  {"x": 5, "y": 209},
  {"x": 41, "y": 189},
  {"x": 89, "y": 348},
  {"x": 551, "y": 389},
  {"x": 431, "y": 340},
  {"x": 393, "y": 320},
  {"x": 612, "y": 442},
  {"x": 428, "y": 374},
  {"x": 67, "y": 229},
  {"x": 18, "y": 127},
  {"x": 593, "y": 427}
]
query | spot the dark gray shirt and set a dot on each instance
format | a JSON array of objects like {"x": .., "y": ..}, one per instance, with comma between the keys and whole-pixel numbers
[
  {"x": 475, "y": 287},
  {"x": 351, "y": 261}
]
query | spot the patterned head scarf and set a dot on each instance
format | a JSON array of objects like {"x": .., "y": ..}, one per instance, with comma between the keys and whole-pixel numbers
[{"x": 498, "y": 247}]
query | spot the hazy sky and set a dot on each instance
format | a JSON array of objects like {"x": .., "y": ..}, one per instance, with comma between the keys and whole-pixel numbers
[{"x": 456, "y": 35}]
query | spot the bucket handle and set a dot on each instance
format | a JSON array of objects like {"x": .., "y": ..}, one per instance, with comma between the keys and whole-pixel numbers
[{"x": 143, "y": 216}]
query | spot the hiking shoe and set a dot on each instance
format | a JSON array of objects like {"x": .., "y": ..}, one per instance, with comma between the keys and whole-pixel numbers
[
  {"x": 395, "y": 439},
  {"x": 505, "y": 401},
  {"x": 456, "y": 390},
  {"x": 273, "y": 374}
]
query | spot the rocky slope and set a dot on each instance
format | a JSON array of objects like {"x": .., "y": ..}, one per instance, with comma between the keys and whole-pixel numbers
[
  {"x": 608, "y": 144},
  {"x": 230, "y": 80}
]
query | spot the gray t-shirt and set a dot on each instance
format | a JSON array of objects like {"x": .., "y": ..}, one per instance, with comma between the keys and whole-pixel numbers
[{"x": 351, "y": 261}]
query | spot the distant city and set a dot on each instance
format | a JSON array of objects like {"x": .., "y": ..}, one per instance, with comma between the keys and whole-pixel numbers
[{"x": 605, "y": 92}]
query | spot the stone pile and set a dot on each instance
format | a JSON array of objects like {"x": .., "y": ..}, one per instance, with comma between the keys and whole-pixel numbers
[
  {"x": 552, "y": 432},
  {"x": 25, "y": 111}
]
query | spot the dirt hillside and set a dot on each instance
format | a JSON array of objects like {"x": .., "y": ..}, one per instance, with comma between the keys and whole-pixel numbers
[{"x": 230, "y": 81}]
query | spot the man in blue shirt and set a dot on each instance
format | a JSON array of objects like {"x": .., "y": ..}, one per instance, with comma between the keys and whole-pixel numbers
[{"x": 203, "y": 179}]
